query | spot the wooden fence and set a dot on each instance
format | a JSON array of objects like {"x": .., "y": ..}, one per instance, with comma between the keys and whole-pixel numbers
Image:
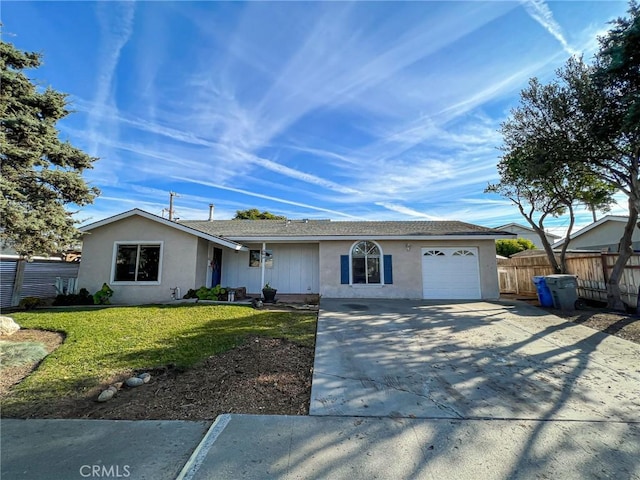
[{"x": 592, "y": 269}]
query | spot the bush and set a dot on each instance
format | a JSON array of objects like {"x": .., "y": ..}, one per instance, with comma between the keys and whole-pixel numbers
[
  {"x": 506, "y": 248},
  {"x": 29, "y": 303},
  {"x": 191, "y": 293},
  {"x": 214, "y": 293},
  {"x": 102, "y": 296},
  {"x": 14, "y": 354},
  {"x": 83, "y": 297}
]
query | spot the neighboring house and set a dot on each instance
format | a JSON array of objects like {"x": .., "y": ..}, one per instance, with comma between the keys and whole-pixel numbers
[
  {"x": 528, "y": 233},
  {"x": 143, "y": 256},
  {"x": 603, "y": 235}
]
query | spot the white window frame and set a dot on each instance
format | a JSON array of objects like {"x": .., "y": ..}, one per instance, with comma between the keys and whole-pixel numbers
[
  {"x": 367, "y": 284},
  {"x": 138, "y": 243},
  {"x": 268, "y": 262}
]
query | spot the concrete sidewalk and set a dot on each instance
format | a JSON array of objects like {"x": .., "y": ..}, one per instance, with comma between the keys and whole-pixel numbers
[
  {"x": 284, "y": 447},
  {"x": 70, "y": 449}
]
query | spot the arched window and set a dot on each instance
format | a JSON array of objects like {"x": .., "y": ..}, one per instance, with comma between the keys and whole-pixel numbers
[{"x": 365, "y": 263}]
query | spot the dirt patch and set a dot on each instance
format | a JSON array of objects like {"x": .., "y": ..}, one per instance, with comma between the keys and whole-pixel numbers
[
  {"x": 621, "y": 325},
  {"x": 9, "y": 376},
  {"x": 263, "y": 376}
]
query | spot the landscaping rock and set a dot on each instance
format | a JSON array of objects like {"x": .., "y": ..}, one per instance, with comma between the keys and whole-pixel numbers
[
  {"x": 8, "y": 326},
  {"x": 107, "y": 394},
  {"x": 145, "y": 377},
  {"x": 117, "y": 385},
  {"x": 134, "y": 382}
]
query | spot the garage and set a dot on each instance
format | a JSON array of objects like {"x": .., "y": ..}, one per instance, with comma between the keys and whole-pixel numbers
[{"x": 450, "y": 273}]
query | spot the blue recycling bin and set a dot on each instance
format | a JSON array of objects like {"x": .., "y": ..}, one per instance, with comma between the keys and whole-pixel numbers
[{"x": 544, "y": 293}]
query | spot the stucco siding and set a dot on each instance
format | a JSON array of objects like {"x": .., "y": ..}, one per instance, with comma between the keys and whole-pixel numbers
[
  {"x": 604, "y": 236},
  {"x": 202, "y": 263},
  {"x": 407, "y": 269},
  {"x": 178, "y": 260},
  {"x": 295, "y": 269}
]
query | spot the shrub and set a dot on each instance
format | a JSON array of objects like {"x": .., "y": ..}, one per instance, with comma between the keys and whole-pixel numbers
[
  {"x": 506, "y": 248},
  {"x": 214, "y": 293},
  {"x": 83, "y": 297},
  {"x": 14, "y": 354},
  {"x": 102, "y": 296},
  {"x": 191, "y": 293},
  {"x": 29, "y": 303}
]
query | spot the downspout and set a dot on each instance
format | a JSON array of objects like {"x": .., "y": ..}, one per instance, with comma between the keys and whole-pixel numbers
[{"x": 263, "y": 258}]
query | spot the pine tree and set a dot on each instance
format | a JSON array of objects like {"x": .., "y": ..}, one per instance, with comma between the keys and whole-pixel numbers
[{"x": 40, "y": 175}]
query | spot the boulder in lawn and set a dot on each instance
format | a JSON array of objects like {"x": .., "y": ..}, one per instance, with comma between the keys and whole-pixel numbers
[{"x": 8, "y": 326}]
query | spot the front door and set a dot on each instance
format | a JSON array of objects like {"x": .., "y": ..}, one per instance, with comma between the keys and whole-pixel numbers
[{"x": 216, "y": 267}]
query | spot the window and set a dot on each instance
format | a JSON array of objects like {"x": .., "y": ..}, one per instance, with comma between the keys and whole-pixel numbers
[
  {"x": 365, "y": 263},
  {"x": 254, "y": 258},
  {"x": 137, "y": 262},
  {"x": 463, "y": 253}
]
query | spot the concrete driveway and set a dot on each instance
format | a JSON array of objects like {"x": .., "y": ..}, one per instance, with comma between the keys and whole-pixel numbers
[{"x": 469, "y": 361}]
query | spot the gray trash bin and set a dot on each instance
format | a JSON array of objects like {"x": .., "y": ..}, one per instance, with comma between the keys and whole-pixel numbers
[{"x": 564, "y": 290}]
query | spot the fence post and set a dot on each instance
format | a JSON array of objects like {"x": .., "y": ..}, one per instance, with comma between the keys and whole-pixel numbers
[
  {"x": 605, "y": 265},
  {"x": 17, "y": 282}
]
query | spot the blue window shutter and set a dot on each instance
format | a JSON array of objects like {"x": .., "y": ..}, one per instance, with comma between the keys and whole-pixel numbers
[
  {"x": 388, "y": 270},
  {"x": 344, "y": 269}
]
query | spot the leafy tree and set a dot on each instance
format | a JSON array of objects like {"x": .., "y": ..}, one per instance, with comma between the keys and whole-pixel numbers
[
  {"x": 610, "y": 102},
  {"x": 255, "y": 214},
  {"x": 506, "y": 248},
  {"x": 585, "y": 123},
  {"x": 40, "y": 175},
  {"x": 538, "y": 172}
]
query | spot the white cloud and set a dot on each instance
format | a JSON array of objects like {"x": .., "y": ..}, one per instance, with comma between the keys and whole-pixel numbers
[
  {"x": 116, "y": 26},
  {"x": 407, "y": 211},
  {"x": 338, "y": 104},
  {"x": 539, "y": 10},
  {"x": 267, "y": 197}
]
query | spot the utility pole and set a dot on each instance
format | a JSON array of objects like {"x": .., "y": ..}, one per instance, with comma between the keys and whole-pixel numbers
[{"x": 171, "y": 195}]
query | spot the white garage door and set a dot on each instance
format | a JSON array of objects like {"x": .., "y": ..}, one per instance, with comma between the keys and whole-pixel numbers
[{"x": 450, "y": 273}]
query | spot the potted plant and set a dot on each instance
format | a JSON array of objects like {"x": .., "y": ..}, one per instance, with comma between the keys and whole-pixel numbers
[{"x": 269, "y": 294}]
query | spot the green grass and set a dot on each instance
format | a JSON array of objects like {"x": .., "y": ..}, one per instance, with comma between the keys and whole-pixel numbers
[{"x": 102, "y": 343}]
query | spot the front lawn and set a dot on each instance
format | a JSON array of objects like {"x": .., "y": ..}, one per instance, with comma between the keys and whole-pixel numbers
[{"x": 104, "y": 344}]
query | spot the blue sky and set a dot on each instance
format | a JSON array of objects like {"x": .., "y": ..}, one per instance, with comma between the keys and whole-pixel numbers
[{"x": 371, "y": 111}]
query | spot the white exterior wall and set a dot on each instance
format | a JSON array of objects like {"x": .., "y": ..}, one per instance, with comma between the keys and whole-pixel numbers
[
  {"x": 295, "y": 269},
  {"x": 178, "y": 260},
  {"x": 202, "y": 263},
  {"x": 407, "y": 269},
  {"x": 604, "y": 236}
]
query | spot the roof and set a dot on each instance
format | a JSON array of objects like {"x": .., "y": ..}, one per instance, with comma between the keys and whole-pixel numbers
[
  {"x": 243, "y": 230},
  {"x": 178, "y": 226},
  {"x": 591, "y": 226},
  {"x": 529, "y": 229},
  {"x": 230, "y": 233}
]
